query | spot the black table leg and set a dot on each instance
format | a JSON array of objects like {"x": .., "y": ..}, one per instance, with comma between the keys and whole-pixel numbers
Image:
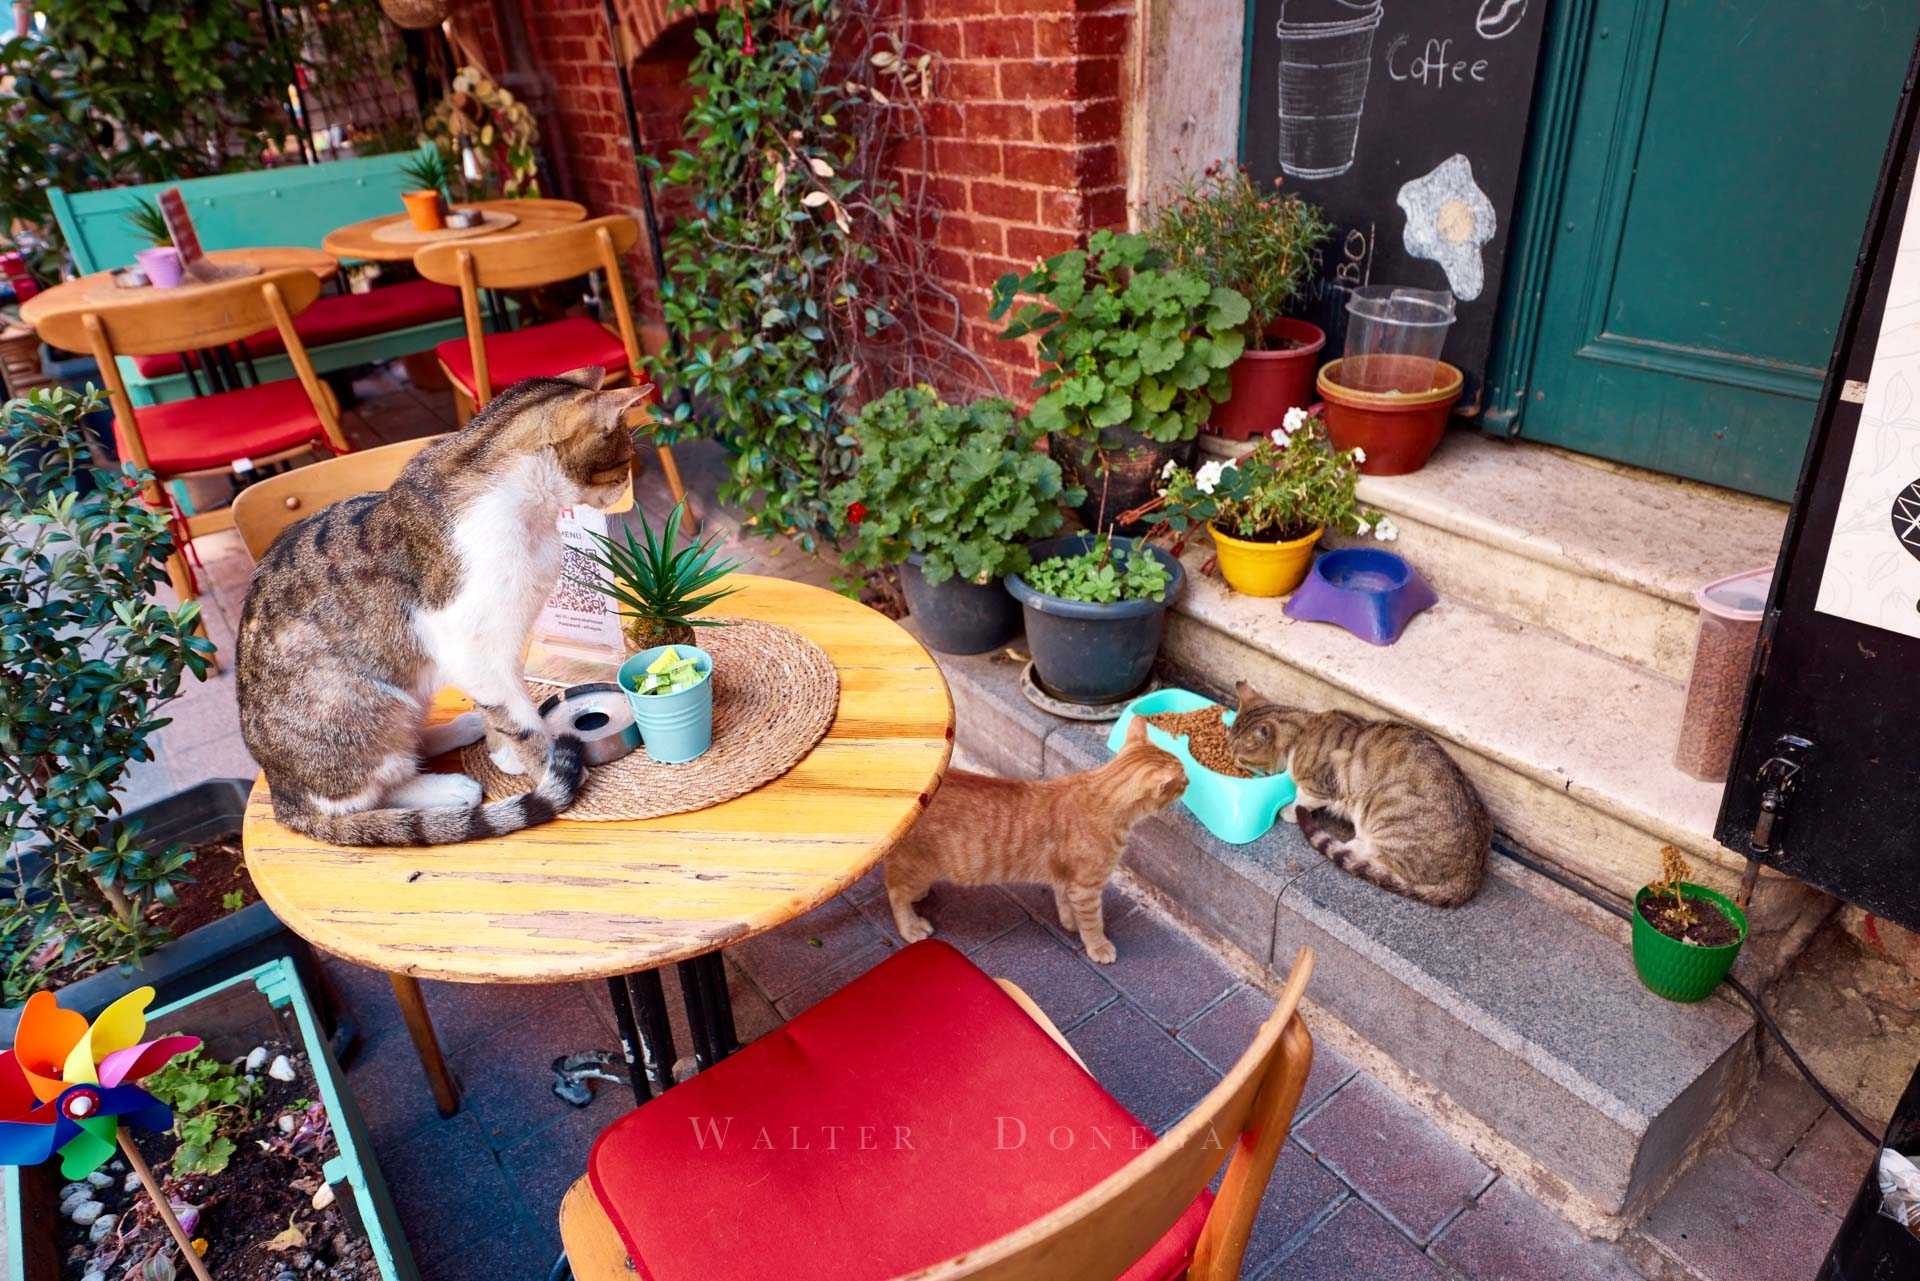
[
  {"x": 646, "y": 1039},
  {"x": 703, "y": 982}
]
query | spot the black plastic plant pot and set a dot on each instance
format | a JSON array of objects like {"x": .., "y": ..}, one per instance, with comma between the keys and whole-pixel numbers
[
  {"x": 1089, "y": 653},
  {"x": 217, "y": 950},
  {"x": 958, "y": 617}
]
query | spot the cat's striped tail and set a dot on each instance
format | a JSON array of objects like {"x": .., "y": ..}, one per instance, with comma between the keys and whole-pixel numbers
[{"x": 449, "y": 824}]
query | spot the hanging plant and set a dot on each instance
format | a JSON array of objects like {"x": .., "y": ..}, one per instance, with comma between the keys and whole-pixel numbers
[
  {"x": 480, "y": 118},
  {"x": 416, "y": 14}
]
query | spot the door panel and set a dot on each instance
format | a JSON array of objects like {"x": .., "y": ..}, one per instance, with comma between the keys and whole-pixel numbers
[{"x": 1722, "y": 157}]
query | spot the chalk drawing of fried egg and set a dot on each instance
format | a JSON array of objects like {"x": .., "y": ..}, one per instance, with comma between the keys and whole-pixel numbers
[{"x": 1448, "y": 219}]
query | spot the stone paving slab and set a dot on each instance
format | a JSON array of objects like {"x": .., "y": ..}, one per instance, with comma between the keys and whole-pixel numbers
[
  {"x": 1509, "y": 1236},
  {"x": 1729, "y": 1219}
]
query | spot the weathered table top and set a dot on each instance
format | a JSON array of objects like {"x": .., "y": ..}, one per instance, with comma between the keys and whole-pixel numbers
[
  {"x": 576, "y": 900},
  {"x": 97, "y": 290},
  {"x": 357, "y": 239}
]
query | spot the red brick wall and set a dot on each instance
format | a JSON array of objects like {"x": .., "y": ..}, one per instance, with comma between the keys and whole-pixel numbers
[{"x": 1025, "y": 154}]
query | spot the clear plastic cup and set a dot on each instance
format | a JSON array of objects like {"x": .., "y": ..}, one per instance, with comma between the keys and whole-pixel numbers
[
  {"x": 1394, "y": 338},
  {"x": 1730, "y": 613}
]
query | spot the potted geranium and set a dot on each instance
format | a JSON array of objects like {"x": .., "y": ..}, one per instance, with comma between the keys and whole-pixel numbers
[
  {"x": 1134, "y": 356},
  {"x": 1261, "y": 244},
  {"x": 949, "y": 494},
  {"x": 1095, "y": 605},
  {"x": 1267, "y": 509},
  {"x": 93, "y": 902}
]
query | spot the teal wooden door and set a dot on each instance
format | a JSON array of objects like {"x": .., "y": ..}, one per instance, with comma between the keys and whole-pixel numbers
[{"x": 1715, "y": 159}]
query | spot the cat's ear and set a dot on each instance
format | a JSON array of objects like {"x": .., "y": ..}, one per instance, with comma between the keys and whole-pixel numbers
[
  {"x": 587, "y": 377},
  {"x": 1246, "y": 695},
  {"x": 1136, "y": 731},
  {"x": 619, "y": 402}
]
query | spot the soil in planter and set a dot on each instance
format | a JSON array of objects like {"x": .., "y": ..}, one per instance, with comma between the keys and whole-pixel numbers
[
  {"x": 246, "y": 1210},
  {"x": 1287, "y": 535},
  {"x": 1206, "y": 736},
  {"x": 1709, "y": 927}
]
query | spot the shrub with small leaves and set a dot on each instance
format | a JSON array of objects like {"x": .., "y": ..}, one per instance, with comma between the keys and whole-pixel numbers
[
  {"x": 1125, "y": 341},
  {"x": 87, "y": 658},
  {"x": 210, "y": 1101},
  {"x": 959, "y": 485}
]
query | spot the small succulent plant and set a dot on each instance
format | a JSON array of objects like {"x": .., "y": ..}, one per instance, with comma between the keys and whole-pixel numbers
[
  {"x": 658, "y": 583},
  {"x": 147, "y": 222}
]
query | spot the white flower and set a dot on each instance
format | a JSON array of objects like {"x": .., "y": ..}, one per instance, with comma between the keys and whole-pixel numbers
[
  {"x": 1296, "y": 419},
  {"x": 1166, "y": 473},
  {"x": 1363, "y": 528},
  {"x": 1279, "y": 436},
  {"x": 1386, "y": 531},
  {"x": 1208, "y": 476},
  {"x": 1359, "y": 454}
]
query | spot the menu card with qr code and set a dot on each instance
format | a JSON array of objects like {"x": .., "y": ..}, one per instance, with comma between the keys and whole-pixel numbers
[{"x": 576, "y": 637}]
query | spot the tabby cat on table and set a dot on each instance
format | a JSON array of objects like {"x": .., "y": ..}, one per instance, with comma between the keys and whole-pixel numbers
[{"x": 357, "y": 614}]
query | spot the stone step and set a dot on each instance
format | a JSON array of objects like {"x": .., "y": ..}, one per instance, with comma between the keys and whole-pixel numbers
[
  {"x": 1520, "y": 1014},
  {"x": 1606, "y": 555}
]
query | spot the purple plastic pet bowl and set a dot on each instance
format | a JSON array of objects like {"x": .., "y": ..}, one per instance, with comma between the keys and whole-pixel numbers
[{"x": 1369, "y": 592}]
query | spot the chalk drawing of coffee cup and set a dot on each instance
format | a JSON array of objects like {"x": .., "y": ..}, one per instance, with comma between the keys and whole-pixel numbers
[{"x": 1326, "y": 53}]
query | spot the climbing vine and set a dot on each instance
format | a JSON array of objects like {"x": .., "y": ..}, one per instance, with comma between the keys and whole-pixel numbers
[{"x": 796, "y": 288}]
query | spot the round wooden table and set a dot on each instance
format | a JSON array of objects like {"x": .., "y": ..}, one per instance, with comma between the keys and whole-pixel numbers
[
  {"x": 97, "y": 290},
  {"x": 357, "y": 240},
  {"x": 573, "y": 900}
]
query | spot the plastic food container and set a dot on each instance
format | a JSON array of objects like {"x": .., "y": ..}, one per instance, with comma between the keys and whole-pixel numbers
[
  {"x": 1237, "y": 810},
  {"x": 1730, "y": 612},
  {"x": 1394, "y": 338}
]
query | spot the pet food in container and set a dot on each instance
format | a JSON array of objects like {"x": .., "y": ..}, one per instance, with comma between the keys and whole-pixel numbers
[{"x": 1730, "y": 612}]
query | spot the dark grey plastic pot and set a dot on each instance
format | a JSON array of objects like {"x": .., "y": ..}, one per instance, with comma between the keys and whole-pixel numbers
[
  {"x": 958, "y": 617},
  {"x": 1090, "y": 653}
]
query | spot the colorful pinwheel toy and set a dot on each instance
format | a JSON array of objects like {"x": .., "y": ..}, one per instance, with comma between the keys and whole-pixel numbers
[{"x": 65, "y": 1086}]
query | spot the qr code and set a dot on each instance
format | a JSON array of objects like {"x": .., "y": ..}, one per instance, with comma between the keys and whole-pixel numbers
[{"x": 577, "y": 571}]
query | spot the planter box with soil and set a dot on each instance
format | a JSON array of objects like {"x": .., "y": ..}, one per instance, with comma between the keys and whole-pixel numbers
[
  {"x": 1685, "y": 938},
  {"x": 301, "y": 1165}
]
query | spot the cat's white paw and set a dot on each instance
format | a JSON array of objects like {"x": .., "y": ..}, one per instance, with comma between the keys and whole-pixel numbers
[
  {"x": 468, "y": 727},
  {"x": 1291, "y": 814},
  {"x": 506, "y": 757},
  {"x": 1102, "y": 952},
  {"x": 436, "y": 791},
  {"x": 915, "y": 928}
]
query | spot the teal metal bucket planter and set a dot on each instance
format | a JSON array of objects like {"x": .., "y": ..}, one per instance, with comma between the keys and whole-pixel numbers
[
  {"x": 673, "y": 727},
  {"x": 1237, "y": 810},
  {"x": 232, "y": 1016},
  {"x": 1684, "y": 971}
]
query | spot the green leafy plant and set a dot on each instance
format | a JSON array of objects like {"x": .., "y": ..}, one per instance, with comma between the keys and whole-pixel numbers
[
  {"x": 87, "y": 659},
  {"x": 1260, "y": 243},
  {"x": 1102, "y": 575},
  {"x": 1125, "y": 341},
  {"x": 144, "y": 216},
  {"x": 959, "y": 485},
  {"x": 1290, "y": 484},
  {"x": 658, "y": 583},
  {"x": 430, "y": 169},
  {"x": 773, "y": 280},
  {"x": 211, "y": 1102}
]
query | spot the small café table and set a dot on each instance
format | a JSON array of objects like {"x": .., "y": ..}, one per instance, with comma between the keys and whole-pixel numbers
[
  {"x": 97, "y": 291},
  {"x": 573, "y": 900},
  {"x": 357, "y": 240}
]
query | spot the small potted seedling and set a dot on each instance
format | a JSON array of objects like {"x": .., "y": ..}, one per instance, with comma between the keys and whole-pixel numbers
[
  {"x": 1685, "y": 936},
  {"x": 160, "y": 262},
  {"x": 658, "y": 583},
  {"x": 1094, "y": 607},
  {"x": 671, "y": 690}
]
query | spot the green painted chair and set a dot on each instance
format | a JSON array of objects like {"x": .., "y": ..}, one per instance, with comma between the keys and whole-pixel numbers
[{"x": 296, "y": 205}]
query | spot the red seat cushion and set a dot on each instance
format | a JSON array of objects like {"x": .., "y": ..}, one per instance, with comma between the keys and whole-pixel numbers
[
  {"x": 914, "y": 1114},
  {"x": 340, "y": 317},
  {"x": 537, "y": 352},
  {"x": 212, "y": 431}
]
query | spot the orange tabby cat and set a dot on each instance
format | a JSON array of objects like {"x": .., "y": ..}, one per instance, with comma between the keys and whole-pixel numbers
[{"x": 1065, "y": 832}]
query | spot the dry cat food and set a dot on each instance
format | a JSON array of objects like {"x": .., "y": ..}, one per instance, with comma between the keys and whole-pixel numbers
[
  {"x": 1206, "y": 736},
  {"x": 1717, "y": 687}
]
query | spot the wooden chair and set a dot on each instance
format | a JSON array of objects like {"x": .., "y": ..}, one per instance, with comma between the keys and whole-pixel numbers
[
  {"x": 266, "y": 507},
  {"x": 487, "y": 362},
  {"x": 265, "y": 423},
  {"x": 1148, "y": 1218}
]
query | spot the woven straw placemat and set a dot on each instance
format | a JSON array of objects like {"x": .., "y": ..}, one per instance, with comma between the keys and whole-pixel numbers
[
  {"x": 774, "y": 696},
  {"x": 403, "y": 232}
]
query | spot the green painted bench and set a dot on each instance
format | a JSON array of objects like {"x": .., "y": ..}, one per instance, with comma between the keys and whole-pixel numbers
[{"x": 296, "y": 205}]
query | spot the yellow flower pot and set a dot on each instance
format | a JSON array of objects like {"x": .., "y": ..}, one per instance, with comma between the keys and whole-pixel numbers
[{"x": 1263, "y": 569}]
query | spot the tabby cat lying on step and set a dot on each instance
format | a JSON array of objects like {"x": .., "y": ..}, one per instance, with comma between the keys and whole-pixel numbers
[
  {"x": 1419, "y": 827},
  {"x": 358, "y": 613},
  {"x": 1065, "y": 832}
]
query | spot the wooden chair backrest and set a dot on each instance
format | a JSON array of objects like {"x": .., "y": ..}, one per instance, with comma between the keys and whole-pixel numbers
[
  {"x": 263, "y": 509},
  {"x": 193, "y": 319},
  {"x": 526, "y": 259},
  {"x": 1104, "y": 1231}
]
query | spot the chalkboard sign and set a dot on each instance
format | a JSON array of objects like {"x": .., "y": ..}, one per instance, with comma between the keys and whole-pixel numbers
[{"x": 1405, "y": 121}]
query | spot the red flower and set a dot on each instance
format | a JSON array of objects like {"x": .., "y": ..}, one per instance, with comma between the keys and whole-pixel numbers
[{"x": 856, "y": 512}]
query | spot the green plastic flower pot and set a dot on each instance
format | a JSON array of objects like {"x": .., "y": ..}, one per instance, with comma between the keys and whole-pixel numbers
[{"x": 1683, "y": 971}]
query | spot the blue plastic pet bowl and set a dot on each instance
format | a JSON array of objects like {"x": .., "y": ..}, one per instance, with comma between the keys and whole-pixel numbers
[
  {"x": 1237, "y": 810},
  {"x": 1369, "y": 592}
]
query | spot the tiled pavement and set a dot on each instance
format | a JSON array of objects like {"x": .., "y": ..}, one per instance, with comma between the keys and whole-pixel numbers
[{"x": 1367, "y": 1187}]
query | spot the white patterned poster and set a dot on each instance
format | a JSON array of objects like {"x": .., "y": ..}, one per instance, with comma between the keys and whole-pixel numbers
[{"x": 1872, "y": 571}]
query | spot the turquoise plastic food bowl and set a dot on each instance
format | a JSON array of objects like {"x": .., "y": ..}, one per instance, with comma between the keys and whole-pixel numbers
[{"x": 1237, "y": 810}]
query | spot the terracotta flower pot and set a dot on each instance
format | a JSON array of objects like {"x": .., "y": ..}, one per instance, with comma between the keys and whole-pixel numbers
[
  {"x": 1266, "y": 384},
  {"x": 425, "y": 209},
  {"x": 1263, "y": 569},
  {"x": 1396, "y": 430}
]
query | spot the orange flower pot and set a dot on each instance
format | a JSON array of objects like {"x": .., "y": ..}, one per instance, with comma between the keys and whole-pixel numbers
[
  {"x": 1397, "y": 430},
  {"x": 425, "y": 209}
]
